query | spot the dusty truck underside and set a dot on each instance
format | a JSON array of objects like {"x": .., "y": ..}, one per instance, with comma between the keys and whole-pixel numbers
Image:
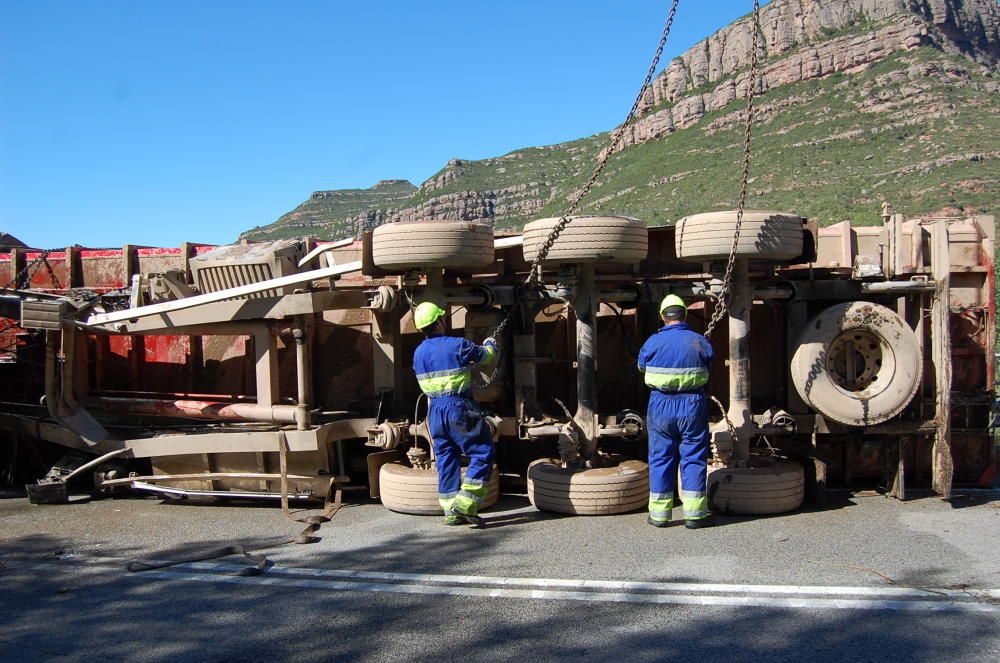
[{"x": 849, "y": 356}]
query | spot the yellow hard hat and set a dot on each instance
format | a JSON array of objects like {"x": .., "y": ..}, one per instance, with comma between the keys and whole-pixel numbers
[
  {"x": 426, "y": 314},
  {"x": 672, "y": 300}
]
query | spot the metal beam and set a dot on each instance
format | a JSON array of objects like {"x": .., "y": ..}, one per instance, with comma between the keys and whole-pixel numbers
[
  {"x": 222, "y": 295},
  {"x": 234, "y": 311},
  {"x": 585, "y": 307},
  {"x": 941, "y": 461},
  {"x": 739, "y": 360}
]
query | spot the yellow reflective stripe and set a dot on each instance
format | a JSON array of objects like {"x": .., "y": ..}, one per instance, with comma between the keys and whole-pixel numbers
[
  {"x": 660, "y": 507},
  {"x": 474, "y": 489},
  {"x": 446, "y": 500},
  {"x": 695, "y": 508},
  {"x": 445, "y": 383},
  {"x": 466, "y": 503},
  {"x": 676, "y": 379}
]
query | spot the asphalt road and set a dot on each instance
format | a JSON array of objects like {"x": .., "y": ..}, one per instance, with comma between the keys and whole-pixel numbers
[{"x": 867, "y": 579}]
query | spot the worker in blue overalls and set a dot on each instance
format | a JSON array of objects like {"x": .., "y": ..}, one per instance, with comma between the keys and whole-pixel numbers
[
  {"x": 675, "y": 362},
  {"x": 443, "y": 365}
]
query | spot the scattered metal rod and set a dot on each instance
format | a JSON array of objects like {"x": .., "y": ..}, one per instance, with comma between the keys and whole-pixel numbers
[
  {"x": 92, "y": 463},
  {"x": 190, "y": 492},
  {"x": 209, "y": 476}
]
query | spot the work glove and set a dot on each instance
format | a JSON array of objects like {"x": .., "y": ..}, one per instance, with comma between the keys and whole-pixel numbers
[{"x": 492, "y": 342}]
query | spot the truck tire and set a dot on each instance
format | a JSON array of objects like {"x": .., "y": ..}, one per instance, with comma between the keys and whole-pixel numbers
[
  {"x": 406, "y": 489},
  {"x": 589, "y": 239},
  {"x": 857, "y": 363},
  {"x": 601, "y": 491},
  {"x": 763, "y": 236},
  {"x": 769, "y": 485},
  {"x": 441, "y": 244}
]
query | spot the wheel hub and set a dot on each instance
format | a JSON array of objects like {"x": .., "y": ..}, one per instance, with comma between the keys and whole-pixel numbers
[{"x": 855, "y": 361}]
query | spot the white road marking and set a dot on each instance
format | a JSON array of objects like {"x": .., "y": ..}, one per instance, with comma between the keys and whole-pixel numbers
[
  {"x": 596, "y": 591},
  {"x": 619, "y": 585}
]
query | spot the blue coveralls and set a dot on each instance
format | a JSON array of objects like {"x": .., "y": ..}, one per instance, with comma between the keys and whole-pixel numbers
[
  {"x": 443, "y": 365},
  {"x": 676, "y": 363}
]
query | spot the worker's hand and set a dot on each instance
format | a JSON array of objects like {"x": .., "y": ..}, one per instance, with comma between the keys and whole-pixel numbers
[{"x": 490, "y": 341}]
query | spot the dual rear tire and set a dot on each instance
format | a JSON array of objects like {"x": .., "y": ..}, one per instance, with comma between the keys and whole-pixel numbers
[
  {"x": 767, "y": 486},
  {"x": 600, "y": 491}
]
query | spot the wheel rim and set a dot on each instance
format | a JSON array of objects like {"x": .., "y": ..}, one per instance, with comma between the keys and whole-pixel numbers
[{"x": 860, "y": 363}]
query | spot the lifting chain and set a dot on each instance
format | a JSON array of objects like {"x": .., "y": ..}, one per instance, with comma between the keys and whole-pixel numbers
[
  {"x": 534, "y": 278},
  {"x": 534, "y": 274},
  {"x": 23, "y": 278},
  {"x": 722, "y": 308}
]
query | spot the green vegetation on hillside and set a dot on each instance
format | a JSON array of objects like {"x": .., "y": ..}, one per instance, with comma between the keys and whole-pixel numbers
[
  {"x": 918, "y": 129},
  {"x": 839, "y": 147},
  {"x": 331, "y": 214}
]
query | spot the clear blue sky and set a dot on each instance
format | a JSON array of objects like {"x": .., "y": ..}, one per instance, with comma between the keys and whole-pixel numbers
[{"x": 160, "y": 122}]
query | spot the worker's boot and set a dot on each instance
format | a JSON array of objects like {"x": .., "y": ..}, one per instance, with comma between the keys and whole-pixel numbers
[
  {"x": 451, "y": 520},
  {"x": 699, "y": 523},
  {"x": 656, "y": 523},
  {"x": 471, "y": 518}
]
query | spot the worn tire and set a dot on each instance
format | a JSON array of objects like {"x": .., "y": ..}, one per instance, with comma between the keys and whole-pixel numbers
[
  {"x": 763, "y": 236},
  {"x": 602, "y": 491},
  {"x": 769, "y": 485},
  {"x": 406, "y": 489},
  {"x": 857, "y": 363},
  {"x": 589, "y": 239},
  {"x": 442, "y": 244}
]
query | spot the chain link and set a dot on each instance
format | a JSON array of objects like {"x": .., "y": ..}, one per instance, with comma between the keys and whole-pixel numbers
[
  {"x": 722, "y": 308},
  {"x": 534, "y": 278},
  {"x": 23, "y": 277},
  {"x": 534, "y": 273}
]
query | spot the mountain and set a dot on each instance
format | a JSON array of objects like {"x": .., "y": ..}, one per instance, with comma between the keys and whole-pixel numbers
[
  {"x": 339, "y": 213},
  {"x": 861, "y": 101}
]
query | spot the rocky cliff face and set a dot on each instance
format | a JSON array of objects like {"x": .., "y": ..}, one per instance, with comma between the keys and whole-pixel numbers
[
  {"x": 805, "y": 39},
  {"x": 804, "y": 43}
]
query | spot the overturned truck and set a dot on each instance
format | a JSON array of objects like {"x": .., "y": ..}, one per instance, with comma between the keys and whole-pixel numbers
[{"x": 851, "y": 356}]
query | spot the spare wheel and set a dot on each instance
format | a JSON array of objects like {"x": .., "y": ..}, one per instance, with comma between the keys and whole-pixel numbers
[
  {"x": 442, "y": 244},
  {"x": 768, "y": 485},
  {"x": 588, "y": 239},
  {"x": 600, "y": 491},
  {"x": 763, "y": 236},
  {"x": 857, "y": 363},
  {"x": 408, "y": 489}
]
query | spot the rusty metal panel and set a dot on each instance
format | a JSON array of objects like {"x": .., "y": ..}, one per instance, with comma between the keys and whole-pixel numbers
[
  {"x": 117, "y": 363},
  {"x": 8, "y": 268},
  {"x": 52, "y": 273},
  {"x": 974, "y": 458},
  {"x": 103, "y": 268},
  {"x": 225, "y": 365},
  {"x": 158, "y": 260},
  {"x": 342, "y": 365},
  {"x": 165, "y": 364},
  {"x": 964, "y": 244}
]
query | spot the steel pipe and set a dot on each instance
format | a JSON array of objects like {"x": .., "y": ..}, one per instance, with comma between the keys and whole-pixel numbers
[
  {"x": 899, "y": 286},
  {"x": 303, "y": 374},
  {"x": 284, "y": 414}
]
